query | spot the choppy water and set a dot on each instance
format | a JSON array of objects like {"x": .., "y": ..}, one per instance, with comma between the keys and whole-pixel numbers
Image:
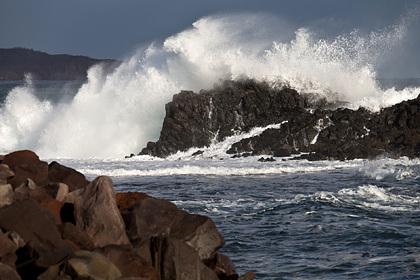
[{"x": 293, "y": 219}]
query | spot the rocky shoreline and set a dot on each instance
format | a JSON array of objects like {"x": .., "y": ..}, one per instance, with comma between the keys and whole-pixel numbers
[
  {"x": 294, "y": 124},
  {"x": 55, "y": 224}
]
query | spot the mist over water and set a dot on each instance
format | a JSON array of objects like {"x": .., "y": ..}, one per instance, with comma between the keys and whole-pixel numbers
[{"x": 114, "y": 114}]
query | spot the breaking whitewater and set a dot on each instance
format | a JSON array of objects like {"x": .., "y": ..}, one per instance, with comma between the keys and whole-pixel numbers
[{"x": 284, "y": 219}]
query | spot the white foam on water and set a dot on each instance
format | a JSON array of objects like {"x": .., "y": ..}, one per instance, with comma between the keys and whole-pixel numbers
[
  {"x": 219, "y": 149},
  {"x": 400, "y": 169},
  {"x": 369, "y": 197},
  {"x": 115, "y": 114}
]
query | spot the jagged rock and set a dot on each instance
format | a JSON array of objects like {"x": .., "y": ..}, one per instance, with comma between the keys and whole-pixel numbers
[
  {"x": 97, "y": 214},
  {"x": 6, "y": 195},
  {"x": 5, "y": 173},
  {"x": 8, "y": 273},
  {"x": 77, "y": 236},
  {"x": 247, "y": 276},
  {"x": 58, "y": 191},
  {"x": 268, "y": 159},
  {"x": 58, "y": 173},
  {"x": 224, "y": 267},
  {"x": 7, "y": 250},
  {"x": 153, "y": 217},
  {"x": 127, "y": 200},
  {"x": 193, "y": 120},
  {"x": 54, "y": 272},
  {"x": 173, "y": 259},
  {"x": 62, "y": 191},
  {"x": 91, "y": 265},
  {"x": 26, "y": 164},
  {"x": 129, "y": 262},
  {"x": 318, "y": 129},
  {"x": 37, "y": 228},
  {"x": 29, "y": 190}
]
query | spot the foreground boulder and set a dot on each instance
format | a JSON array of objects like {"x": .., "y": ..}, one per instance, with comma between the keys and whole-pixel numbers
[
  {"x": 36, "y": 226},
  {"x": 91, "y": 265},
  {"x": 97, "y": 213},
  {"x": 49, "y": 230},
  {"x": 26, "y": 164},
  {"x": 153, "y": 217},
  {"x": 7, "y": 273},
  {"x": 58, "y": 173},
  {"x": 290, "y": 123}
]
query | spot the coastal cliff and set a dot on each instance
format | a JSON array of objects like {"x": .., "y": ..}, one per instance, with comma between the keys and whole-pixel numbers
[
  {"x": 16, "y": 62},
  {"x": 291, "y": 124}
]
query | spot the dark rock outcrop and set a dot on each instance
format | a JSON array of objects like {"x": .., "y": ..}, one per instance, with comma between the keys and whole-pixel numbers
[{"x": 302, "y": 124}]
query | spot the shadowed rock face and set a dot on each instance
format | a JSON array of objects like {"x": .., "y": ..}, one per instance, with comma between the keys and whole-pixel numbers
[{"x": 310, "y": 125}]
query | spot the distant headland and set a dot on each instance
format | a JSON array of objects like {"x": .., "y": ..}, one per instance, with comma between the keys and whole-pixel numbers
[{"x": 16, "y": 62}]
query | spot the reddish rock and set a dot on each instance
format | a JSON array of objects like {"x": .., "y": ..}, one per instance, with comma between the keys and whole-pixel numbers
[
  {"x": 29, "y": 190},
  {"x": 58, "y": 173},
  {"x": 248, "y": 276},
  {"x": 97, "y": 214},
  {"x": 129, "y": 263},
  {"x": 35, "y": 226},
  {"x": 26, "y": 164},
  {"x": 128, "y": 199}
]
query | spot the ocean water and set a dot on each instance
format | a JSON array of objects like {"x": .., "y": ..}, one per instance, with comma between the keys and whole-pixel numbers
[{"x": 292, "y": 219}]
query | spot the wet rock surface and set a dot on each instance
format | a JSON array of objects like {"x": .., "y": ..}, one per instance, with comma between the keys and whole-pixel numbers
[
  {"x": 49, "y": 232},
  {"x": 309, "y": 126}
]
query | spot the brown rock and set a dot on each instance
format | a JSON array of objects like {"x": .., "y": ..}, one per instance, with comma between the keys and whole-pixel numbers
[
  {"x": 77, "y": 236},
  {"x": 58, "y": 173},
  {"x": 58, "y": 191},
  {"x": 6, "y": 195},
  {"x": 200, "y": 233},
  {"x": 8, "y": 273},
  {"x": 62, "y": 191},
  {"x": 29, "y": 190},
  {"x": 153, "y": 217},
  {"x": 128, "y": 199},
  {"x": 248, "y": 276},
  {"x": 91, "y": 265},
  {"x": 224, "y": 268},
  {"x": 35, "y": 226},
  {"x": 5, "y": 173},
  {"x": 173, "y": 259},
  {"x": 26, "y": 164},
  {"x": 7, "y": 250},
  {"x": 129, "y": 263},
  {"x": 97, "y": 213}
]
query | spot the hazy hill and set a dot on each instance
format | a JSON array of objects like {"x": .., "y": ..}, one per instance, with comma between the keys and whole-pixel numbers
[{"x": 15, "y": 62}]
